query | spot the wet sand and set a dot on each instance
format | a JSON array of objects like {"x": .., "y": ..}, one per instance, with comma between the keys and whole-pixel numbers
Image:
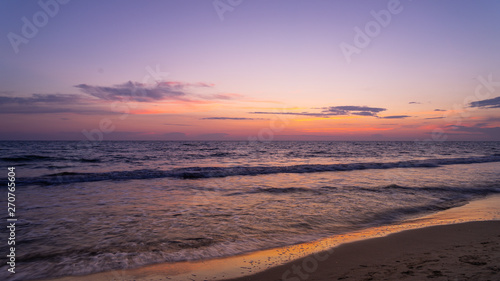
[
  {"x": 460, "y": 243},
  {"x": 465, "y": 251}
]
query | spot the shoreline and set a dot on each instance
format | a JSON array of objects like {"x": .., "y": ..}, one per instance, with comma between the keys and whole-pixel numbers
[
  {"x": 243, "y": 267},
  {"x": 464, "y": 251}
]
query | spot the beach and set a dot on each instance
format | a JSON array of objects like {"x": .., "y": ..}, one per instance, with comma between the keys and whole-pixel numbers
[
  {"x": 466, "y": 251},
  {"x": 461, "y": 243}
]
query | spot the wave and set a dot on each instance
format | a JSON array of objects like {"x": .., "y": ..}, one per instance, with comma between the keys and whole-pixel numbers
[
  {"x": 393, "y": 215},
  {"x": 479, "y": 191},
  {"x": 275, "y": 190},
  {"x": 460, "y": 192},
  {"x": 40, "y": 158},
  {"x": 218, "y": 172},
  {"x": 27, "y": 158},
  {"x": 90, "y": 160}
]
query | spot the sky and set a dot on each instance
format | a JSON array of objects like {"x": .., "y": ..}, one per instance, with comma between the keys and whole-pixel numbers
[{"x": 249, "y": 70}]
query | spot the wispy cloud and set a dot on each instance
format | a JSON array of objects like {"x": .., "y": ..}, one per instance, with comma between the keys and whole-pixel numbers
[
  {"x": 414, "y": 102},
  {"x": 491, "y": 119},
  {"x": 319, "y": 114},
  {"x": 430, "y": 118},
  {"x": 182, "y": 85},
  {"x": 334, "y": 111},
  {"x": 363, "y": 113},
  {"x": 93, "y": 99},
  {"x": 41, "y": 98},
  {"x": 134, "y": 91},
  {"x": 230, "y": 118},
  {"x": 28, "y": 109},
  {"x": 162, "y": 91},
  {"x": 488, "y": 103},
  {"x": 51, "y": 103},
  {"x": 437, "y": 109},
  {"x": 352, "y": 109},
  {"x": 395, "y": 117}
]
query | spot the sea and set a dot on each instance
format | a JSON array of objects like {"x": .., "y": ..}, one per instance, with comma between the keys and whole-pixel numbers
[{"x": 86, "y": 207}]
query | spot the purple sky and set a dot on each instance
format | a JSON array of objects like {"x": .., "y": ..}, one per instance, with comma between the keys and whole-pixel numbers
[{"x": 326, "y": 70}]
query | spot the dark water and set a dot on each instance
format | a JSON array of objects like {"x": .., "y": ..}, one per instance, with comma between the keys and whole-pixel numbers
[{"x": 114, "y": 205}]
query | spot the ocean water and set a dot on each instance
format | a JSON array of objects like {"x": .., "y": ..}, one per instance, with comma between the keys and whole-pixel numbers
[{"x": 91, "y": 207}]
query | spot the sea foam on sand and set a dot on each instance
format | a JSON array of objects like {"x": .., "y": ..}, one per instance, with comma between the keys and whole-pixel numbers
[{"x": 458, "y": 243}]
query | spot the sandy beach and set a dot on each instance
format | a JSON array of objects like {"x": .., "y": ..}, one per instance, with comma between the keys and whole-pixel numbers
[
  {"x": 456, "y": 244},
  {"x": 465, "y": 251},
  {"x": 462, "y": 251}
]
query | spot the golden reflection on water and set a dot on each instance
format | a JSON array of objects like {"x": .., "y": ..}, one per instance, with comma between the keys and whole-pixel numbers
[{"x": 241, "y": 265}]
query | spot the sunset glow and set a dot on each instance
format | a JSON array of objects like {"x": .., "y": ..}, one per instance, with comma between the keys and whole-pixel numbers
[{"x": 184, "y": 71}]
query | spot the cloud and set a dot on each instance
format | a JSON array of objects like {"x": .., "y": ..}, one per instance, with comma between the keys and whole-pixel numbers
[
  {"x": 90, "y": 100},
  {"x": 140, "y": 92},
  {"x": 491, "y": 119},
  {"x": 489, "y": 103},
  {"x": 414, "y": 102},
  {"x": 363, "y": 113},
  {"x": 50, "y": 103},
  {"x": 437, "y": 109},
  {"x": 334, "y": 111},
  {"x": 352, "y": 109},
  {"x": 395, "y": 117},
  {"x": 134, "y": 91},
  {"x": 430, "y": 118},
  {"x": 292, "y": 113},
  {"x": 230, "y": 118},
  {"x": 41, "y": 98},
  {"x": 182, "y": 85},
  {"x": 27, "y": 109}
]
